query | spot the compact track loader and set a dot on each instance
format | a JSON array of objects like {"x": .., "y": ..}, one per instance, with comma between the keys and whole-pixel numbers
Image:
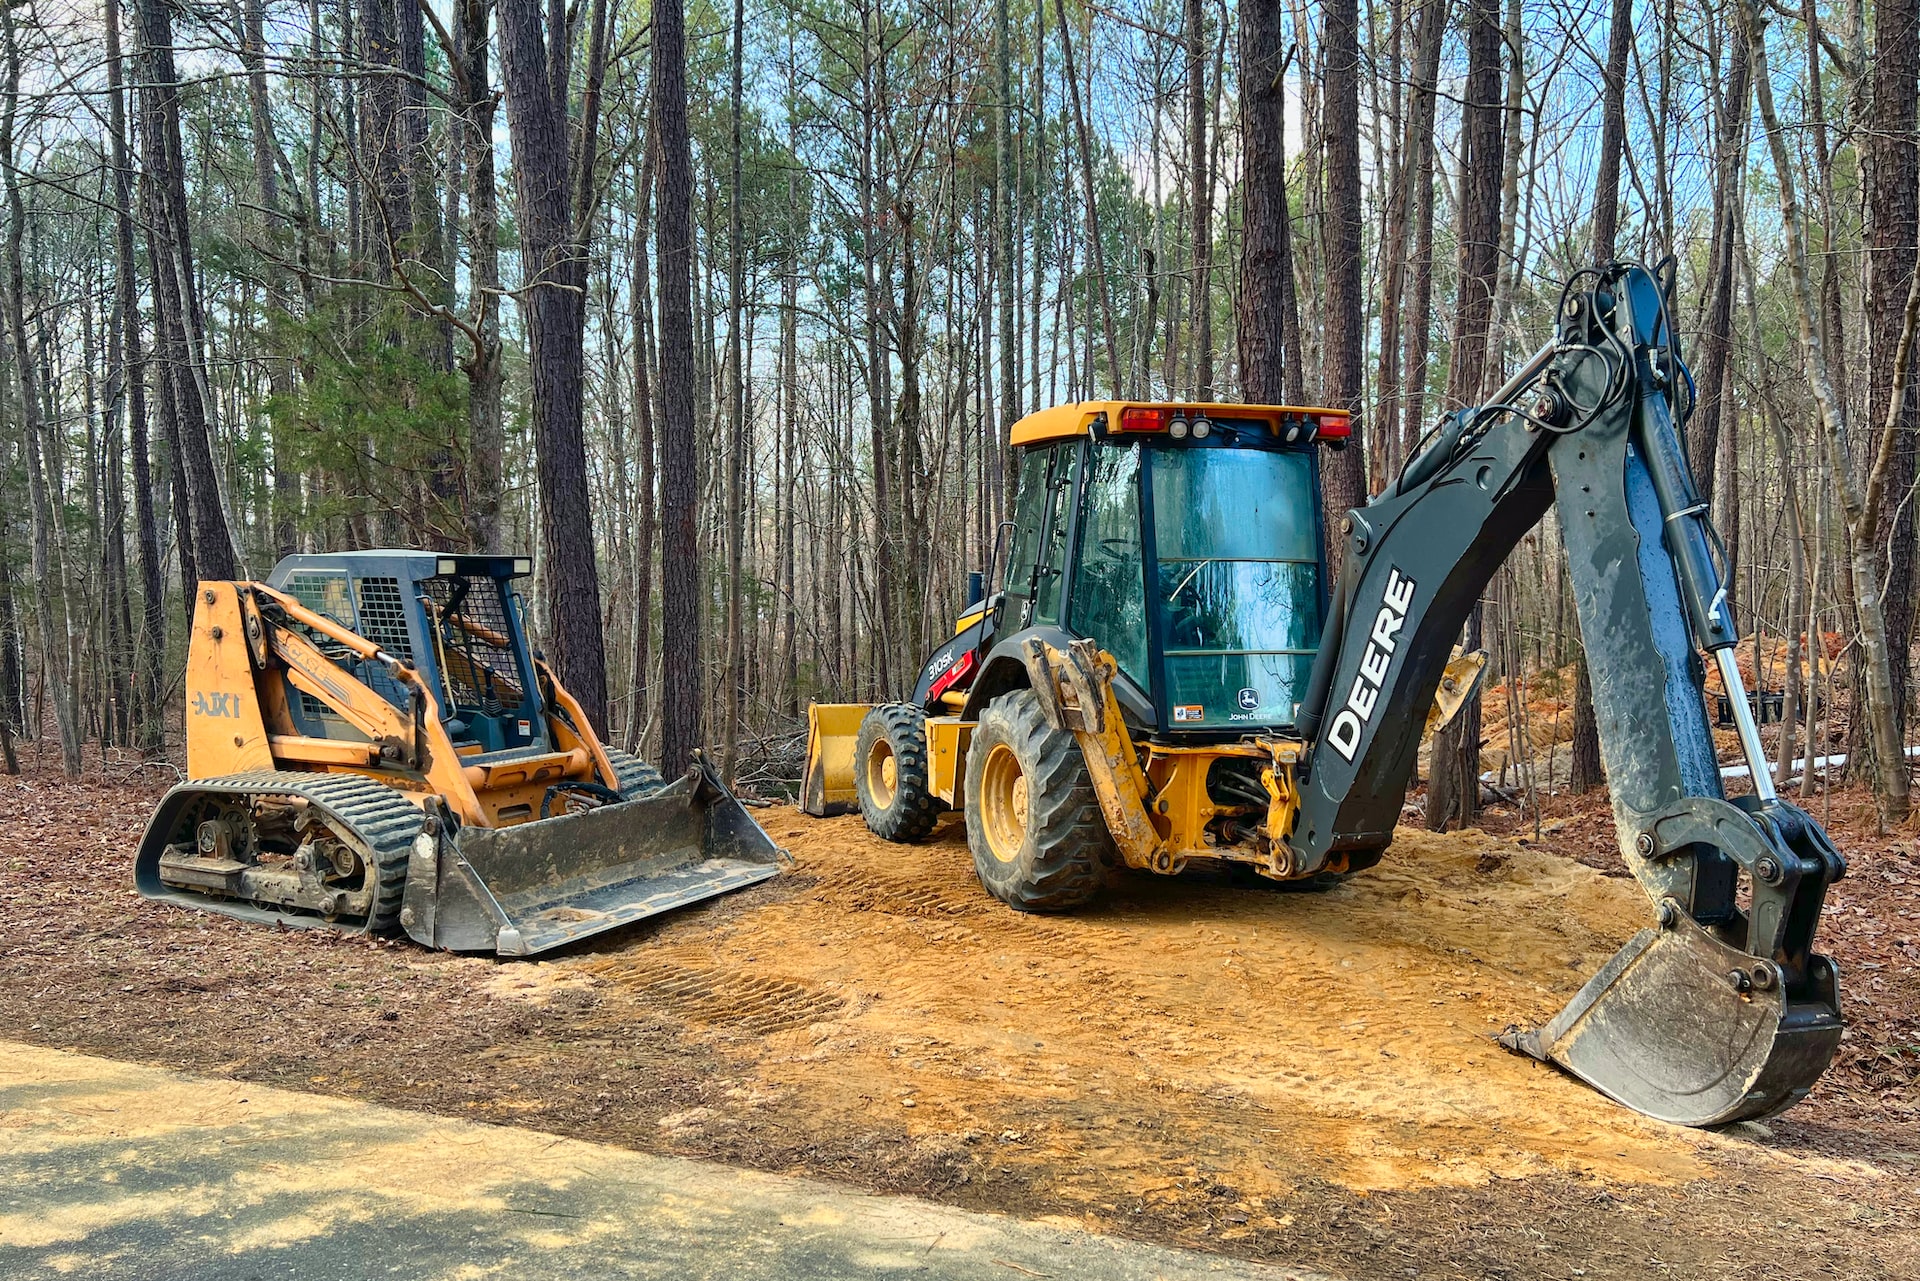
[
  {"x": 372, "y": 745},
  {"x": 1164, "y": 678}
]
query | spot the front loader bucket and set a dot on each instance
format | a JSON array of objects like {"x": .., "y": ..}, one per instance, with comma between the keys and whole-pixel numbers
[
  {"x": 523, "y": 890},
  {"x": 826, "y": 788},
  {"x": 1673, "y": 1027}
]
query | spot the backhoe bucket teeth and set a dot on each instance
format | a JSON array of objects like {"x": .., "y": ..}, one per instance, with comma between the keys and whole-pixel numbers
[
  {"x": 1676, "y": 1027},
  {"x": 528, "y": 889}
]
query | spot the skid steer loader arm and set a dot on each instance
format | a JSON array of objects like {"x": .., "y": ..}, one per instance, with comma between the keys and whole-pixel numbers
[{"x": 1718, "y": 1012}]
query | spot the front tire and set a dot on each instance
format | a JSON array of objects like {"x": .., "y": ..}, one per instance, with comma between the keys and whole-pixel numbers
[
  {"x": 890, "y": 774},
  {"x": 1039, "y": 840}
]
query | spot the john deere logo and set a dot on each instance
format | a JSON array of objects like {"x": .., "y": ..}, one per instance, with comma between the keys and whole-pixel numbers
[{"x": 1249, "y": 700}]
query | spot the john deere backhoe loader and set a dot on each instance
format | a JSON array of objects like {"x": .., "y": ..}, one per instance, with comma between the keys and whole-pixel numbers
[
  {"x": 1164, "y": 677},
  {"x": 372, "y": 744}
]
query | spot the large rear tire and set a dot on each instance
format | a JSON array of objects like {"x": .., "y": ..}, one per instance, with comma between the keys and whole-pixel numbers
[
  {"x": 1039, "y": 840},
  {"x": 890, "y": 774}
]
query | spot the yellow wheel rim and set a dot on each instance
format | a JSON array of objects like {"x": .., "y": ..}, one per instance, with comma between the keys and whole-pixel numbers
[
  {"x": 883, "y": 774},
  {"x": 1003, "y": 803}
]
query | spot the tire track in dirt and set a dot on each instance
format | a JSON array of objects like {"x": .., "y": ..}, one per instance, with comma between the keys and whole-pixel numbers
[
  {"x": 1254, "y": 1040},
  {"x": 729, "y": 999}
]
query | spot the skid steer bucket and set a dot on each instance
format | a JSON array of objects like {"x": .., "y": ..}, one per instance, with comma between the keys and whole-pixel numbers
[
  {"x": 1675, "y": 1027},
  {"x": 523, "y": 890}
]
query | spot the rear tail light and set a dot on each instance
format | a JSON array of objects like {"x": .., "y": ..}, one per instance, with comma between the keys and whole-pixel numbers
[
  {"x": 1336, "y": 427},
  {"x": 1137, "y": 419}
]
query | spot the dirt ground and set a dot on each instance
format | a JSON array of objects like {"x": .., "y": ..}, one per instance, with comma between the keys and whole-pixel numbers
[{"x": 1305, "y": 1077}]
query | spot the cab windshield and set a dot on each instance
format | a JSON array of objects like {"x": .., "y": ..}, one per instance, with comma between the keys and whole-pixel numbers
[{"x": 1236, "y": 582}]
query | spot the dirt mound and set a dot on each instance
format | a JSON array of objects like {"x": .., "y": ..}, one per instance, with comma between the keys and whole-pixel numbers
[{"x": 1290, "y": 1038}]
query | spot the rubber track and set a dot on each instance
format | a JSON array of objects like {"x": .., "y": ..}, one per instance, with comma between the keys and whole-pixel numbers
[
  {"x": 1069, "y": 833},
  {"x": 633, "y": 778},
  {"x": 915, "y": 808},
  {"x": 382, "y": 818}
]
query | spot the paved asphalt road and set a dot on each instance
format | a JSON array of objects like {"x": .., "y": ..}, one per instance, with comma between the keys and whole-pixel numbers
[{"x": 110, "y": 1170}]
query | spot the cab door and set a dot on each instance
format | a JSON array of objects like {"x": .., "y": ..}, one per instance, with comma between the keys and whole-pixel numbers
[{"x": 1043, "y": 519}]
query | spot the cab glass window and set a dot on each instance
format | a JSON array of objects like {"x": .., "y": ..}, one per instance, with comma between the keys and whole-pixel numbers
[
  {"x": 1238, "y": 582},
  {"x": 1027, "y": 513},
  {"x": 1109, "y": 587},
  {"x": 1053, "y": 552}
]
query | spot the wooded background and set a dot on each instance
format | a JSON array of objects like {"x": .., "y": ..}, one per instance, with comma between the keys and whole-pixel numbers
[{"x": 722, "y": 313}]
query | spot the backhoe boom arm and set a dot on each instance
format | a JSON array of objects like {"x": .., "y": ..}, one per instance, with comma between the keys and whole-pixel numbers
[{"x": 1720, "y": 1012}]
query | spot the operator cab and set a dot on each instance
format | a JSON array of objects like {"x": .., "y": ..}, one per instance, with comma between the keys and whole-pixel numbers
[
  {"x": 1183, "y": 539},
  {"x": 458, "y": 619}
]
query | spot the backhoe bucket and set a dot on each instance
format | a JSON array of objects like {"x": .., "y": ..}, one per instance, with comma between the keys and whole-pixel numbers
[
  {"x": 523, "y": 890},
  {"x": 827, "y": 787},
  {"x": 1676, "y": 1026}
]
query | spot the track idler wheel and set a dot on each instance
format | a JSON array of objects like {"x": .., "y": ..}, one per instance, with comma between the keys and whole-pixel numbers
[{"x": 1685, "y": 1028}]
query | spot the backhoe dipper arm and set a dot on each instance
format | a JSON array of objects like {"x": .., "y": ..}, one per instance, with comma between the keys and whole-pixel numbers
[{"x": 1718, "y": 1013}]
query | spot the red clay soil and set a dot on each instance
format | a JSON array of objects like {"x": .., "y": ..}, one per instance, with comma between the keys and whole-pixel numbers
[{"x": 1308, "y": 1078}]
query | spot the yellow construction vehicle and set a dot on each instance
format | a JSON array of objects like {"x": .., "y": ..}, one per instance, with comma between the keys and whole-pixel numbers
[
  {"x": 1162, "y": 677},
  {"x": 373, "y": 745}
]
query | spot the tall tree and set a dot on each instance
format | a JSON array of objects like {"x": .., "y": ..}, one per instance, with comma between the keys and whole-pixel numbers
[
  {"x": 50, "y": 609},
  {"x": 1200, "y": 199},
  {"x": 484, "y": 363},
  {"x": 1422, "y": 109},
  {"x": 1345, "y": 477},
  {"x": 1453, "y": 790},
  {"x": 1586, "y": 771},
  {"x": 736, "y": 407},
  {"x": 680, "y": 721},
  {"x": 1716, "y": 337},
  {"x": 1266, "y": 248},
  {"x": 554, "y": 169},
  {"x": 177, "y": 320},
  {"x": 1893, "y": 225},
  {"x": 151, "y": 647},
  {"x": 1859, "y": 504},
  {"x": 1383, "y": 457},
  {"x": 1004, "y": 248}
]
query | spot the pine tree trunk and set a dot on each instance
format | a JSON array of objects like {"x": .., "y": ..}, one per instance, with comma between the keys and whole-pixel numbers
[
  {"x": 1200, "y": 193},
  {"x": 736, "y": 416},
  {"x": 151, "y": 647},
  {"x": 681, "y": 704},
  {"x": 1265, "y": 254},
  {"x": 1453, "y": 791},
  {"x": 1588, "y": 772},
  {"x": 1344, "y": 475},
  {"x": 1716, "y": 338},
  {"x": 176, "y": 314},
  {"x": 50, "y": 614},
  {"x": 547, "y": 163},
  {"x": 1893, "y": 225},
  {"x": 1004, "y": 248},
  {"x": 486, "y": 433},
  {"x": 1383, "y": 459},
  {"x": 1418, "y": 318}
]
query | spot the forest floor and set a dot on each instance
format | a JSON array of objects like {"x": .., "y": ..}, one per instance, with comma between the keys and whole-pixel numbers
[{"x": 1300, "y": 1077}]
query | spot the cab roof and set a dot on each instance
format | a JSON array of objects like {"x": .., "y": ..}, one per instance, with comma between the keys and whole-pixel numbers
[{"x": 1063, "y": 422}]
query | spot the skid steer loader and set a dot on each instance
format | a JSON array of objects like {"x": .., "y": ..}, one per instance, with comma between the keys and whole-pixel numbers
[
  {"x": 1164, "y": 678},
  {"x": 372, "y": 744}
]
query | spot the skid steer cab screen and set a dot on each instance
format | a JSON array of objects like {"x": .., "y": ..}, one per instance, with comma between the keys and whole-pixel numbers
[
  {"x": 477, "y": 642},
  {"x": 1236, "y": 582}
]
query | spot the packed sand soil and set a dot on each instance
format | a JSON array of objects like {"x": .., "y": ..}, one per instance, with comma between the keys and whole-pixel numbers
[{"x": 1301, "y": 1076}]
